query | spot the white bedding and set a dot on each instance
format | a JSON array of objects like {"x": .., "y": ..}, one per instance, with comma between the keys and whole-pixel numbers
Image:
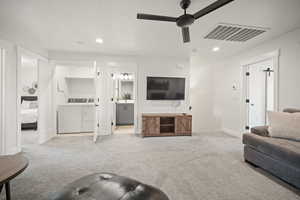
[{"x": 29, "y": 115}]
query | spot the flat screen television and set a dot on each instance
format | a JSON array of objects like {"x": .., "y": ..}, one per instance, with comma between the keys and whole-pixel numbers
[{"x": 165, "y": 88}]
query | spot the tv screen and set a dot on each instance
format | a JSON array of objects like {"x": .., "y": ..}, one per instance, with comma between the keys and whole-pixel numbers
[{"x": 165, "y": 88}]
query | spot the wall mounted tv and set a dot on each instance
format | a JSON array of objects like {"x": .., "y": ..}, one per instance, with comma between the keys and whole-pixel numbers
[{"x": 165, "y": 88}]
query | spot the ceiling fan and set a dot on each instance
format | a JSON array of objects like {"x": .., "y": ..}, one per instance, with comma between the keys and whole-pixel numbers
[{"x": 185, "y": 20}]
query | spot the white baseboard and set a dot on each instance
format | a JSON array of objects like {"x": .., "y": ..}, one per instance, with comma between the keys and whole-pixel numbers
[
  {"x": 232, "y": 132},
  {"x": 12, "y": 151},
  {"x": 43, "y": 138}
]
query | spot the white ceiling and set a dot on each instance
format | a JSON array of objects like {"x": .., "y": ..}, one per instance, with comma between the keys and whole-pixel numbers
[{"x": 60, "y": 24}]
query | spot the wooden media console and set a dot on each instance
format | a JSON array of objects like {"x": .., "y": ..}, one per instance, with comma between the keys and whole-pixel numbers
[{"x": 158, "y": 124}]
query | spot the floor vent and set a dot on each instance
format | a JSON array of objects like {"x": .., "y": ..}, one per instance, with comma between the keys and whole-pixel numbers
[{"x": 235, "y": 33}]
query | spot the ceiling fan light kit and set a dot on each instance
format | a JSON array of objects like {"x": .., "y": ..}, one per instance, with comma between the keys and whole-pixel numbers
[{"x": 185, "y": 20}]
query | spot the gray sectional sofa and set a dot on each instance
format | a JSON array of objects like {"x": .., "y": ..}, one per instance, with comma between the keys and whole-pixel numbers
[{"x": 280, "y": 157}]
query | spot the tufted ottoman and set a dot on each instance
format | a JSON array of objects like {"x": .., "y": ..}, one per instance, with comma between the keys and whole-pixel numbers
[{"x": 107, "y": 186}]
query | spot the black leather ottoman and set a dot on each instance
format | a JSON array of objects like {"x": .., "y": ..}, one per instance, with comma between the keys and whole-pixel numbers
[{"x": 107, "y": 186}]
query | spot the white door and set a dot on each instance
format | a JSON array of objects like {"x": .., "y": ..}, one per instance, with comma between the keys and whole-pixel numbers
[
  {"x": 112, "y": 103},
  {"x": 102, "y": 119},
  {"x": 261, "y": 92},
  {"x": 46, "y": 118},
  {"x": 46, "y": 121}
]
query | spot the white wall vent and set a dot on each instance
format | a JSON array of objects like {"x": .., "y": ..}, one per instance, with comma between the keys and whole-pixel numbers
[{"x": 235, "y": 33}]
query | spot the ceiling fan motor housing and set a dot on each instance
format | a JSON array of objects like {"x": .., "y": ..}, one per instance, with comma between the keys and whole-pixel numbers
[
  {"x": 184, "y": 4},
  {"x": 185, "y": 20}
]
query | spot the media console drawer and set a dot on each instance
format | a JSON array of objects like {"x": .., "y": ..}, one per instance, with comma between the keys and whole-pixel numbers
[{"x": 155, "y": 125}]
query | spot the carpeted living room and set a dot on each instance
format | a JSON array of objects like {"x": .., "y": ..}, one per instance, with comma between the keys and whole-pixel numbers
[
  {"x": 146, "y": 100},
  {"x": 205, "y": 166}
]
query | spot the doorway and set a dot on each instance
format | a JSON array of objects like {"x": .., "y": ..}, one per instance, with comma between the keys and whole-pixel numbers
[
  {"x": 261, "y": 89},
  {"x": 35, "y": 113},
  {"x": 29, "y": 100},
  {"x": 123, "y": 100}
]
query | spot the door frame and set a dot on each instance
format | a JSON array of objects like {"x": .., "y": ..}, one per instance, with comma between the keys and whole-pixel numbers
[
  {"x": 133, "y": 69},
  {"x": 274, "y": 56},
  {"x": 2, "y": 101},
  {"x": 135, "y": 94},
  {"x": 21, "y": 51}
]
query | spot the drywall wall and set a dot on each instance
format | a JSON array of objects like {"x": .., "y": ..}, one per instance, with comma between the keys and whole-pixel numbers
[
  {"x": 29, "y": 77},
  {"x": 163, "y": 68},
  {"x": 73, "y": 81},
  {"x": 224, "y": 104},
  {"x": 229, "y": 103},
  {"x": 81, "y": 87}
]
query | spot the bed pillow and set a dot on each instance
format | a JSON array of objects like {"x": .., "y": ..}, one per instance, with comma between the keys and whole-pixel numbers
[
  {"x": 33, "y": 105},
  {"x": 284, "y": 125},
  {"x": 25, "y": 104}
]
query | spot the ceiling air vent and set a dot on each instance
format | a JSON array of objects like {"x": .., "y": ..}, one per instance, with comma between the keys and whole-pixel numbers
[{"x": 235, "y": 33}]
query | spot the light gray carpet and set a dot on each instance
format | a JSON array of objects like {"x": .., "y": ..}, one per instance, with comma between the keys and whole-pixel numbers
[{"x": 207, "y": 166}]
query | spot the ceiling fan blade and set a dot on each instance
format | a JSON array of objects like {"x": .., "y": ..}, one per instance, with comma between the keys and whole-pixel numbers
[
  {"x": 211, "y": 7},
  {"x": 156, "y": 17},
  {"x": 186, "y": 34}
]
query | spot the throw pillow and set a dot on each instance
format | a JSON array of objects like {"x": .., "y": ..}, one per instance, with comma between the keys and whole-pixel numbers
[{"x": 284, "y": 125}]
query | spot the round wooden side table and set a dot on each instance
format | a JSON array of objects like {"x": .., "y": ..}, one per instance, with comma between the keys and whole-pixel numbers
[{"x": 10, "y": 167}]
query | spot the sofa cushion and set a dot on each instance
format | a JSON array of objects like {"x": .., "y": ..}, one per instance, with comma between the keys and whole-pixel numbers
[
  {"x": 284, "y": 125},
  {"x": 280, "y": 149},
  {"x": 107, "y": 186}
]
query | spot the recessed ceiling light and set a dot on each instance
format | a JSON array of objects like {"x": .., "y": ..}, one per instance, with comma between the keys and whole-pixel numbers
[
  {"x": 215, "y": 49},
  {"x": 99, "y": 40}
]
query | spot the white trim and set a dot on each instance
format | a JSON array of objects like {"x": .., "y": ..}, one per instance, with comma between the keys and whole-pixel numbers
[
  {"x": 2, "y": 106},
  {"x": 43, "y": 138},
  {"x": 12, "y": 151},
  {"x": 31, "y": 54},
  {"x": 256, "y": 59},
  {"x": 274, "y": 56},
  {"x": 134, "y": 70}
]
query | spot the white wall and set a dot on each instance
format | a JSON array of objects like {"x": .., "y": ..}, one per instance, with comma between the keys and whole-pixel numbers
[
  {"x": 29, "y": 75},
  {"x": 227, "y": 105},
  {"x": 67, "y": 82},
  {"x": 81, "y": 87},
  {"x": 164, "y": 68}
]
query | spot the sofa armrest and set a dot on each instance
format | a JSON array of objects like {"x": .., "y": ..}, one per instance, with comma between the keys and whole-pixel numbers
[{"x": 260, "y": 130}]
